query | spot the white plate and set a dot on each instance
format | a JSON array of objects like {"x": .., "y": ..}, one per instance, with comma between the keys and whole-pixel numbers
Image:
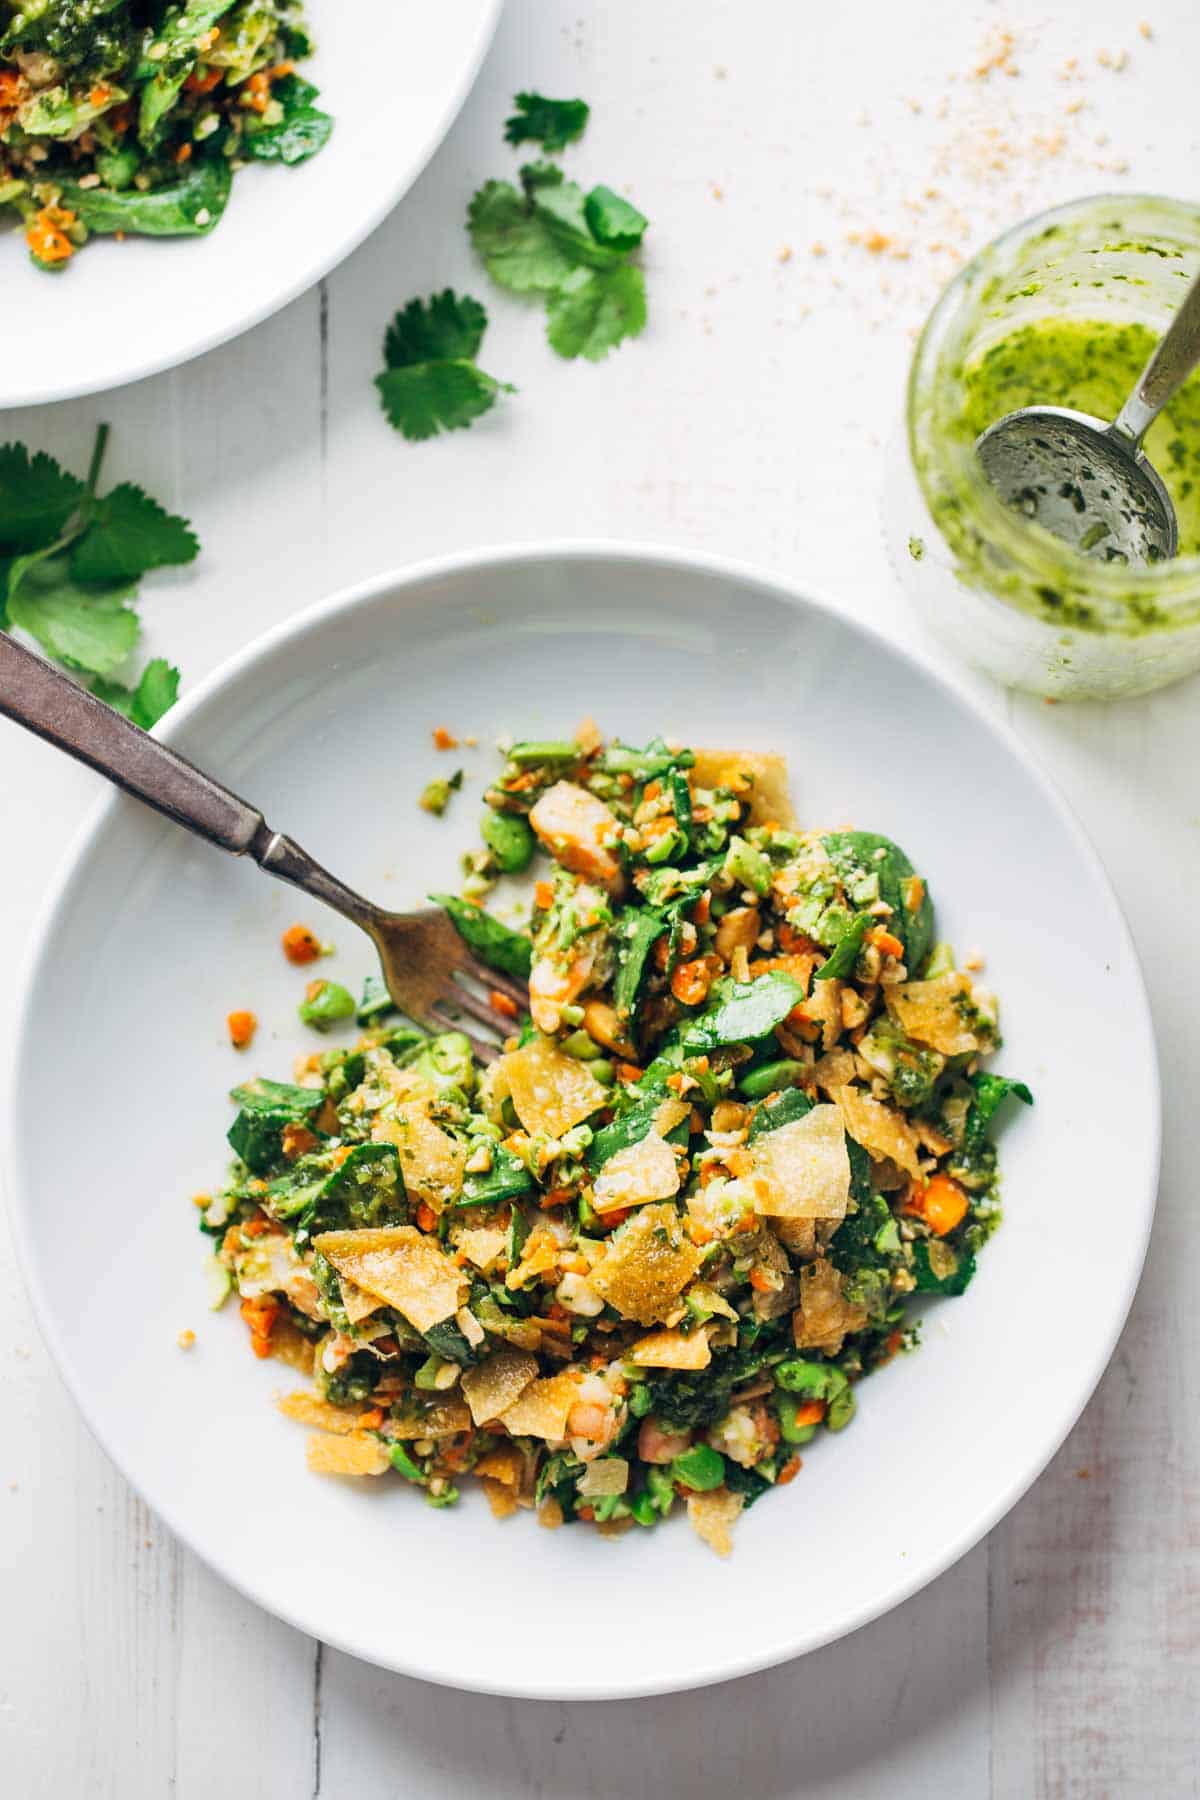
[
  {"x": 119, "y": 1111},
  {"x": 393, "y": 75}
]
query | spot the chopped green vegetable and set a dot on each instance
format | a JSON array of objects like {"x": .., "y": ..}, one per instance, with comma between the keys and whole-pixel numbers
[
  {"x": 510, "y": 840},
  {"x": 699, "y": 1468},
  {"x": 744, "y": 1011},
  {"x": 326, "y": 1004},
  {"x": 491, "y": 941},
  {"x": 430, "y": 381},
  {"x": 435, "y": 796},
  {"x": 552, "y": 123}
]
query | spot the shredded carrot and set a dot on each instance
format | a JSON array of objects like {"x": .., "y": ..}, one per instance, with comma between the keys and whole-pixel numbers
[
  {"x": 12, "y": 87},
  {"x": 260, "y": 1316},
  {"x": 811, "y": 1413},
  {"x": 443, "y": 739},
  {"x": 588, "y": 1513},
  {"x": 99, "y": 94},
  {"x": 914, "y": 892},
  {"x": 241, "y": 1026},
  {"x": 793, "y": 941},
  {"x": 256, "y": 93},
  {"x": 426, "y": 1217},
  {"x": 885, "y": 942},
  {"x": 617, "y": 1216},
  {"x": 627, "y": 1072},
  {"x": 502, "y": 1004},
  {"x": 761, "y": 1281},
  {"x": 543, "y": 896},
  {"x": 894, "y": 1341},
  {"x": 296, "y": 1140},
  {"x": 46, "y": 234},
  {"x": 281, "y": 69},
  {"x": 942, "y": 1203},
  {"x": 372, "y": 1420},
  {"x": 184, "y": 153},
  {"x": 691, "y": 981},
  {"x": 203, "y": 81},
  {"x": 789, "y": 1471},
  {"x": 300, "y": 944},
  {"x": 699, "y": 1234},
  {"x": 256, "y": 1227},
  {"x": 555, "y": 1196}
]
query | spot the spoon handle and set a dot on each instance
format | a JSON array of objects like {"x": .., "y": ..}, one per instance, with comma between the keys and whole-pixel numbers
[{"x": 1175, "y": 356}]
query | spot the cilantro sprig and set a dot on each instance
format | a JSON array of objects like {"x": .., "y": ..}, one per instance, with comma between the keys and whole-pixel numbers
[
  {"x": 70, "y": 563},
  {"x": 552, "y": 123},
  {"x": 431, "y": 381}
]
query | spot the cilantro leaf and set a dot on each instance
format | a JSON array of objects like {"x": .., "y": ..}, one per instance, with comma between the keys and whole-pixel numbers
[
  {"x": 86, "y": 628},
  {"x": 613, "y": 221},
  {"x": 442, "y": 327},
  {"x": 516, "y": 241},
  {"x": 563, "y": 206},
  {"x": 552, "y": 123},
  {"x": 303, "y": 130},
  {"x": 127, "y": 535},
  {"x": 595, "y": 311},
  {"x": 430, "y": 397},
  {"x": 37, "y": 497},
  {"x": 155, "y": 693},
  {"x": 540, "y": 174}
]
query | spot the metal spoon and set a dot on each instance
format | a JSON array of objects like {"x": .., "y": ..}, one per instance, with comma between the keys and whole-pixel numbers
[{"x": 1090, "y": 483}]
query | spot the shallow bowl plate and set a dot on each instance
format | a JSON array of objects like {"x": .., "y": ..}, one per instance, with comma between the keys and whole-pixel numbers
[
  {"x": 118, "y": 1110},
  {"x": 392, "y": 75}
]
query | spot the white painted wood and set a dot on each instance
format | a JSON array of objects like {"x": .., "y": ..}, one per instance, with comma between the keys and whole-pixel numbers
[{"x": 1062, "y": 1658}]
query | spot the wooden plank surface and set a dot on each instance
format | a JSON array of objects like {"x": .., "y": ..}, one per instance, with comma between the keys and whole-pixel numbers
[{"x": 1061, "y": 1658}]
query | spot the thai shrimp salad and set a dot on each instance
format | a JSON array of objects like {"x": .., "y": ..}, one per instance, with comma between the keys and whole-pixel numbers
[
  {"x": 647, "y": 1255},
  {"x": 121, "y": 116}
]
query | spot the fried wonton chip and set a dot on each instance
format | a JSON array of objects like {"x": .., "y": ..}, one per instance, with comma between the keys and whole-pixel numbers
[
  {"x": 803, "y": 1169},
  {"x": 671, "y": 1113},
  {"x": 444, "y": 1419},
  {"x": 751, "y": 774},
  {"x": 291, "y": 1346},
  {"x": 673, "y": 1350},
  {"x": 550, "y": 1091},
  {"x": 430, "y": 1159},
  {"x": 482, "y": 1246},
  {"x": 643, "y": 1171},
  {"x": 823, "y": 1316},
  {"x": 497, "y": 1382},
  {"x": 402, "y": 1266},
  {"x": 542, "y": 1409},
  {"x": 308, "y": 1409},
  {"x": 502, "y": 1500},
  {"x": 713, "y": 1515},
  {"x": 357, "y": 1303},
  {"x": 504, "y": 1464},
  {"x": 931, "y": 1012},
  {"x": 648, "y": 1263},
  {"x": 540, "y": 1254},
  {"x": 823, "y": 1007},
  {"x": 880, "y": 1129},
  {"x": 355, "y": 1455},
  {"x": 834, "y": 1070}
]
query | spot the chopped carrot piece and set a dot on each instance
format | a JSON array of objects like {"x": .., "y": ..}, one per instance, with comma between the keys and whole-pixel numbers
[
  {"x": 46, "y": 234},
  {"x": 255, "y": 1227},
  {"x": 789, "y": 1471},
  {"x": 691, "y": 981},
  {"x": 99, "y": 94},
  {"x": 555, "y": 1196},
  {"x": 184, "y": 153},
  {"x": 241, "y": 1026},
  {"x": 942, "y": 1203},
  {"x": 203, "y": 83},
  {"x": 296, "y": 1140},
  {"x": 443, "y": 739},
  {"x": 372, "y": 1420},
  {"x": 300, "y": 944},
  {"x": 426, "y": 1217},
  {"x": 914, "y": 892},
  {"x": 543, "y": 896},
  {"x": 502, "y": 1004},
  {"x": 885, "y": 942},
  {"x": 811, "y": 1413},
  {"x": 761, "y": 1282},
  {"x": 627, "y": 1072}
]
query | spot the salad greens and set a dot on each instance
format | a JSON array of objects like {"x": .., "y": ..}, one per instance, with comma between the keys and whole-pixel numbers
[
  {"x": 133, "y": 115},
  {"x": 647, "y": 1255},
  {"x": 70, "y": 562}
]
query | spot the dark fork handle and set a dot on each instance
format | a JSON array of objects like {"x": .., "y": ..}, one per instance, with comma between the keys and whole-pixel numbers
[{"x": 35, "y": 694}]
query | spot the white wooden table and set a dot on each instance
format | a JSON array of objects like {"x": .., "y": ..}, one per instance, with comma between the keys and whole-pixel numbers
[{"x": 1061, "y": 1657}]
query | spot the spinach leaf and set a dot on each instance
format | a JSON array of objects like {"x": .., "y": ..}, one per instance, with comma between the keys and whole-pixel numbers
[
  {"x": 492, "y": 942},
  {"x": 857, "y": 855},
  {"x": 630, "y": 1128},
  {"x": 366, "y": 1191},
  {"x": 637, "y": 935},
  {"x": 744, "y": 1012},
  {"x": 990, "y": 1092},
  {"x": 955, "y": 1282},
  {"x": 190, "y": 207},
  {"x": 644, "y": 765},
  {"x": 506, "y": 1178},
  {"x": 784, "y": 1109},
  {"x": 839, "y": 966},
  {"x": 267, "y": 1107},
  {"x": 446, "y": 1340},
  {"x": 303, "y": 130}
]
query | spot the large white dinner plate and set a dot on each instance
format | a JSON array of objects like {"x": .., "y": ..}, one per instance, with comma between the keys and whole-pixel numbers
[
  {"x": 393, "y": 75},
  {"x": 118, "y": 1110}
]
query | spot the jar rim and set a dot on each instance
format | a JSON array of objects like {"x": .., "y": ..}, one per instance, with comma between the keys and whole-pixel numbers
[{"x": 1173, "y": 586}]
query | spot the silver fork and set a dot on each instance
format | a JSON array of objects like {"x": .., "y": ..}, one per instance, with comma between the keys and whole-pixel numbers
[{"x": 430, "y": 973}]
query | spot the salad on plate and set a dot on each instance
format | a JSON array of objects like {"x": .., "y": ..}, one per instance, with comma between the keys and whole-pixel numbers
[
  {"x": 133, "y": 116},
  {"x": 647, "y": 1255}
]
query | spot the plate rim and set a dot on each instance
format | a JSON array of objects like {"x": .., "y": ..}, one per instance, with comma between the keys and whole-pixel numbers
[
  {"x": 398, "y": 583},
  {"x": 315, "y": 269}
]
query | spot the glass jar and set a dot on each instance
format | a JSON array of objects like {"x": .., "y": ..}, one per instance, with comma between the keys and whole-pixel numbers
[{"x": 1001, "y": 591}]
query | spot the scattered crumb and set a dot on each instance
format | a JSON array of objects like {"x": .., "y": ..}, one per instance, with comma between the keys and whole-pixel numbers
[
  {"x": 13, "y": 1487},
  {"x": 1084, "y": 1474},
  {"x": 471, "y": 741},
  {"x": 201, "y": 1201},
  {"x": 1114, "y": 60},
  {"x": 717, "y": 192},
  {"x": 1145, "y": 29},
  {"x": 186, "y": 1339},
  {"x": 974, "y": 961},
  {"x": 784, "y": 255},
  {"x": 720, "y": 72},
  {"x": 997, "y": 56},
  {"x": 819, "y": 250}
]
